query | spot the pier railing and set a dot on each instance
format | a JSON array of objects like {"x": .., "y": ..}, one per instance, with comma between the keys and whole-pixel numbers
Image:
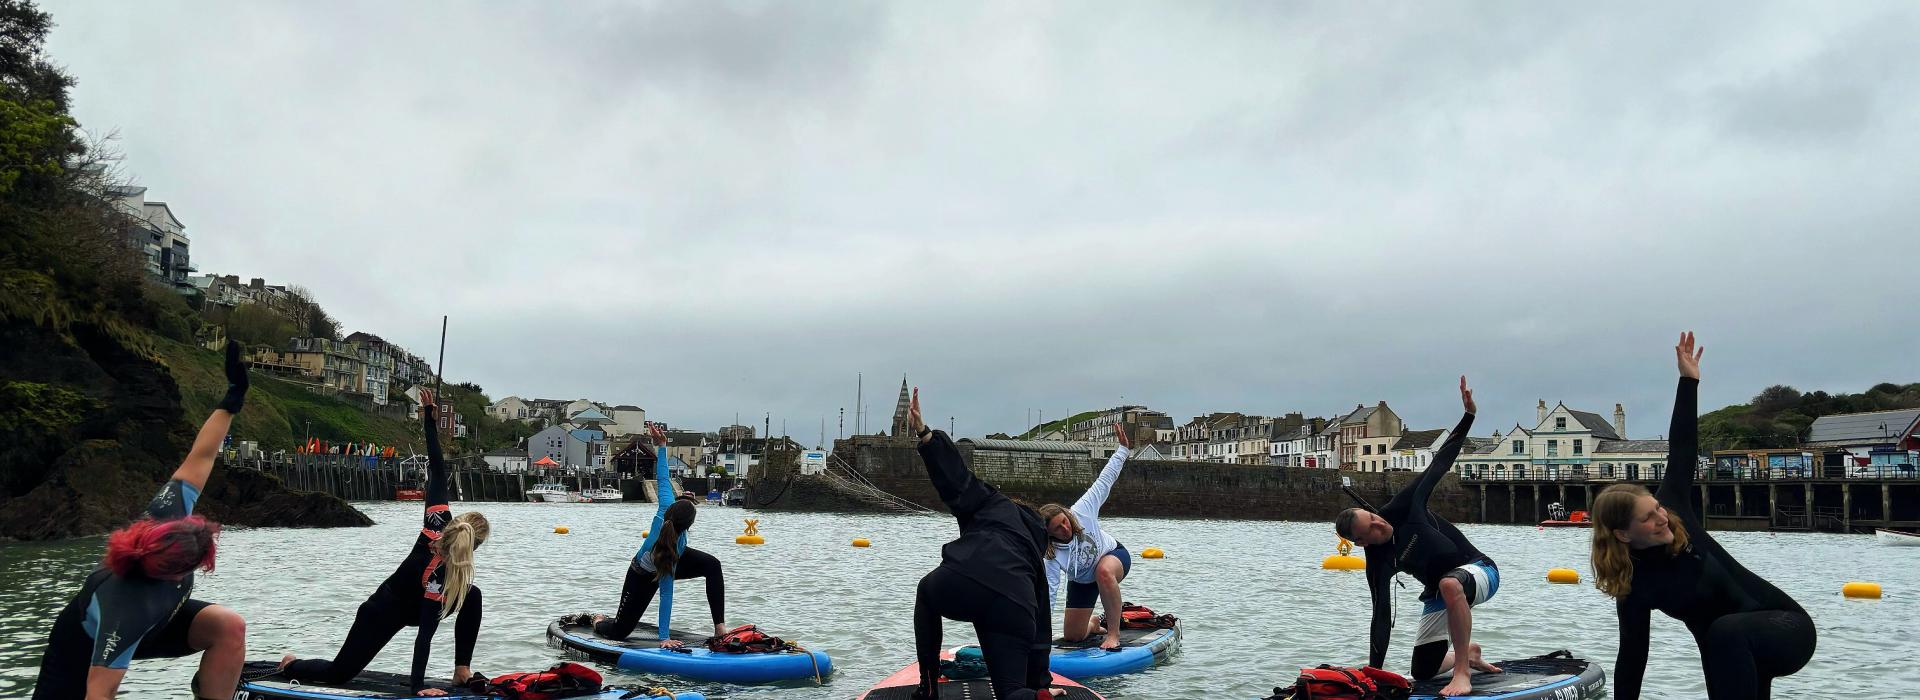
[{"x": 1712, "y": 473}]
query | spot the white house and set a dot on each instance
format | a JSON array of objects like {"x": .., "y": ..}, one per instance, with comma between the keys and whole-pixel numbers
[
  {"x": 628, "y": 419},
  {"x": 509, "y": 460},
  {"x": 1414, "y": 450},
  {"x": 510, "y": 408},
  {"x": 560, "y": 444}
]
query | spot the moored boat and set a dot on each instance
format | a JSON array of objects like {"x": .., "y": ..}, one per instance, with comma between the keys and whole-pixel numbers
[{"x": 1897, "y": 538}]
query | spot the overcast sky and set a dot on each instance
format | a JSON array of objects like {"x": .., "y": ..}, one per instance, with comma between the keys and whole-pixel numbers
[{"x": 704, "y": 208}]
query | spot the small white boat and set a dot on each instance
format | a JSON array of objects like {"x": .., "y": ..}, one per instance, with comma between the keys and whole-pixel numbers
[
  {"x": 604, "y": 494},
  {"x": 1897, "y": 538},
  {"x": 553, "y": 493}
]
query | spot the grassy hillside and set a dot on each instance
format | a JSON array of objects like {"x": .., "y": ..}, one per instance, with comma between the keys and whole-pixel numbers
[
  {"x": 1060, "y": 425},
  {"x": 278, "y": 412}
]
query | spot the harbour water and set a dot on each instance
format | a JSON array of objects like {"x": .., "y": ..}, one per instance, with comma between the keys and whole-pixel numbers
[{"x": 1254, "y": 603}]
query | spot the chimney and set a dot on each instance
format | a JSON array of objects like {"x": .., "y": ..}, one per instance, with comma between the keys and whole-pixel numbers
[
  {"x": 1620, "y": 420},
  {"x": 1541, "y": 413}
]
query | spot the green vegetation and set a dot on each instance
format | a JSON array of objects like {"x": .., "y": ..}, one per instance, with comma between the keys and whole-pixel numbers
[
  {"x": 1781, "y": 416},
  {"x": 279, "y": 413},
  {"x": 1060, "y": 425},
  {"x": 484, "y": 432}
]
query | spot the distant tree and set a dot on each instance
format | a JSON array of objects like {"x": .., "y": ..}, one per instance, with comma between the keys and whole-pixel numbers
[
  {"x": 255, "y": 324},
  {"x": 1776, "y": 398}
]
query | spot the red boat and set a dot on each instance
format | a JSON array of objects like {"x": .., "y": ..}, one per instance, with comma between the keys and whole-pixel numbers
[
  {"x": 1576, "y": 519},
  {"x": 409, "y": 492}
]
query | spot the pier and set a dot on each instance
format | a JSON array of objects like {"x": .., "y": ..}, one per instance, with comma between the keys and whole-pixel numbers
[
  {"x": 1822, "y": 499},
  {"x": 359, "y": 478}
]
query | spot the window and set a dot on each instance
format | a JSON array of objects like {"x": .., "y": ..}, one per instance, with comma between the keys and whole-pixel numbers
[
  {"x": 1579, "y": 446},
  {"x": 1560, "y": 423},
  {"x": 1553, "y": 448},
  {"x": 1519, "y": 447}
]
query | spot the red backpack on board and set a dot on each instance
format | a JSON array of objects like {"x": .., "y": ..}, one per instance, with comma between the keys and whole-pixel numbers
[
  {"x": 1327, "y": 682},
  {"x": 747, "y": 639},
  {"x": 564, "y": 680},
  {"x": 1140, "y": 617}
]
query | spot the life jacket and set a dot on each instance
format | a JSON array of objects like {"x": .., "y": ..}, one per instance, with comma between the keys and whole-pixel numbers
[
  {"x": 1327, "y": 682},
  {"x": 564, "y": 680},
  {"x": 1140, "y": 617},
  {"x": 747, "y": 639}
]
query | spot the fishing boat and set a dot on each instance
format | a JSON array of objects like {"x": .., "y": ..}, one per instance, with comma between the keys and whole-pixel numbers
[
  {"x": 604, "y": 494},
  {"x": 553, "y": 493},
  {"x": 1897, "y": 538},
  {"x": 1577, "y": 519}
]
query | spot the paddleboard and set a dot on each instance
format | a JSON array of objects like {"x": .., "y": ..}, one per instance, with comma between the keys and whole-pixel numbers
[
  {"x": 260, "y": 681},
  {"x": 641, "y": 652},
  {"x": 900, "y": 686}
]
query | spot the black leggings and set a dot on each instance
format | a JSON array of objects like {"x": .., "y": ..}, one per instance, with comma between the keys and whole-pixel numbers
[
  {"x": 1016, "y": 654},
  {"x": 1742, "y": 653},
  {"x": 374, "y": 625},
  {"x": 640, "y": 588}
]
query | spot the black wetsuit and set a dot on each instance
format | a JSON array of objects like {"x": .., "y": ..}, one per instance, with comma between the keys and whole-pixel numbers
[
  {"x": 641, "y": 585},
  {"x": 114, "y": 619},
  {"x": 992, "y": 576},
  {"x": 1424, "y": 545},
  {"x": 410, "y": 597},
  {"x": 1749, "y": 631}
]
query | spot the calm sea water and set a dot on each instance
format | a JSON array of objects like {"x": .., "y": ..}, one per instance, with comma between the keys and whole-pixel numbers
[{"x": 1255, "y": 604}]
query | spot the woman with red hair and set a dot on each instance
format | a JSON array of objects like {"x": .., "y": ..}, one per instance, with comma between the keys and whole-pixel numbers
[{"x": 136, "y": 605}]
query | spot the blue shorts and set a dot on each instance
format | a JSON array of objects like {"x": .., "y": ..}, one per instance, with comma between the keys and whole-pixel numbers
[
  {"x": 1082, "y": 595},
  {"x": 1478, "y": 580}
]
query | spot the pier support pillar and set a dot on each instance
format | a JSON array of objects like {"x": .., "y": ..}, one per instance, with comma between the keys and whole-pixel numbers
[
  {"x": 1705, "y": 506},
  {"x": 1513, "y": 498},
  {"x": 1886, "y": 503},
  {"x": 1739, "y": 500},
  {"x": 1846, "y": 508},
  {"x": 1809, "y": 490},
  {"x": 1483, "y": 503},
  {"x": 1535, "y": 517}
]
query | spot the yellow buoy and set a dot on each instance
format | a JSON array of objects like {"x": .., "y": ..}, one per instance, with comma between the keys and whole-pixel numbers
[
  {"x": 560, "y": 530},
  {"x": 861, "y": 542},
  {"x": 1563, "y": 576},
  {"x": 644, "y": 533},
  {"x": 1152, "y": 553},
  {"x": 749, "y": 539},
  {"x": 1860, "y": 589},
  {"x": 1343, "y": 562}
]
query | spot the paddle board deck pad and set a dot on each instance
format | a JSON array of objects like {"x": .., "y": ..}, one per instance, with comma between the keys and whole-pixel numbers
[
  {"x": 261, "y": 681},
  {"x": 1555, "y": 676},
  {"x": 1139, "y": 649},
  {"x": 641, "y": 652},
  {"x": 900, "y": 686}
]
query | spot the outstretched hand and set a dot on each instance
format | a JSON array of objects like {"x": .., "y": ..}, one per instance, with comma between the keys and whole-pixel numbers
[
  {"x": 914, "y": 423},
  {"x": 236, "y": 369},
  {"x": 1466, "y": 396},
  {"x": 1688, "y": 356},
  {"x": 1122, "y": 435},
  {"x": 658, "y": 434},
  {"x": 427, "y": 406}
]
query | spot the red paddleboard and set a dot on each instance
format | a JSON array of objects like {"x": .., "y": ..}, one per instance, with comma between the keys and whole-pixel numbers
[{"x": 900, "y": 685}]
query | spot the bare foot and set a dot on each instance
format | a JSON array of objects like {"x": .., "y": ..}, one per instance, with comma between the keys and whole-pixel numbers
[
  {"x": 284, "y": 662},
  {"x": 1111, "y": 642},
  {"x": 1461, "y": 685}
]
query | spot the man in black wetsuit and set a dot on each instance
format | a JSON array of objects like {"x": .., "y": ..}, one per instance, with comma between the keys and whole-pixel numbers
[
  {"x": 1405, "y": 537},
  {"x": 991, "y": 576}
]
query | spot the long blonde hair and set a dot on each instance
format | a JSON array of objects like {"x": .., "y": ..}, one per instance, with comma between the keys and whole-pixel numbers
[
  {"x": 456, "y": 544},
  {"x": 1613, "y": 559},
  {"x": 1046, "y": 516}
]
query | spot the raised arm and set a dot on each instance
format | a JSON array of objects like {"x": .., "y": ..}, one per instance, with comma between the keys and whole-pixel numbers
[
  {"x": 958, "y": 488},
  {"x": 1096, "y": 494},
  {"x": 436, "y": 462},
  {"x": 663, "y": 491},
  {"x": 1683, "y": 432},
  {"x": 1449, "y": 451},
  {"x": 1380, "y": 629},
  {"x": 198, "y": 465},
  {"x": 1630, "y": 665}
]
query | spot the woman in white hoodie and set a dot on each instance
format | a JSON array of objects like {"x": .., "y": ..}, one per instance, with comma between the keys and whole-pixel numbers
[{"x": 1092, "y": 561}]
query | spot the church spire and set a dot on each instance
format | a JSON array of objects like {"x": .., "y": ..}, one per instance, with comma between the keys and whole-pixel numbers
[{"x": 900, "y": 409}]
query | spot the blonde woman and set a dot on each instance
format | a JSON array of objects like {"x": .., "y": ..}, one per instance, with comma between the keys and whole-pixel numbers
[
  {"x": 1651, "y": 552},
  {"x": 434, "y": 582},
  {"x": 1091, "y": 561}
]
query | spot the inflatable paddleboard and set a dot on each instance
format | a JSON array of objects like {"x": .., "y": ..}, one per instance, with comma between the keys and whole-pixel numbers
[
  {"x": 1139, "y": 649},
  {"x": 1555, "y": 676},
  {"x": 260, "y": 681},
  {"x": 900, "y": 685},
  {"x": 641, "y": 652}
]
